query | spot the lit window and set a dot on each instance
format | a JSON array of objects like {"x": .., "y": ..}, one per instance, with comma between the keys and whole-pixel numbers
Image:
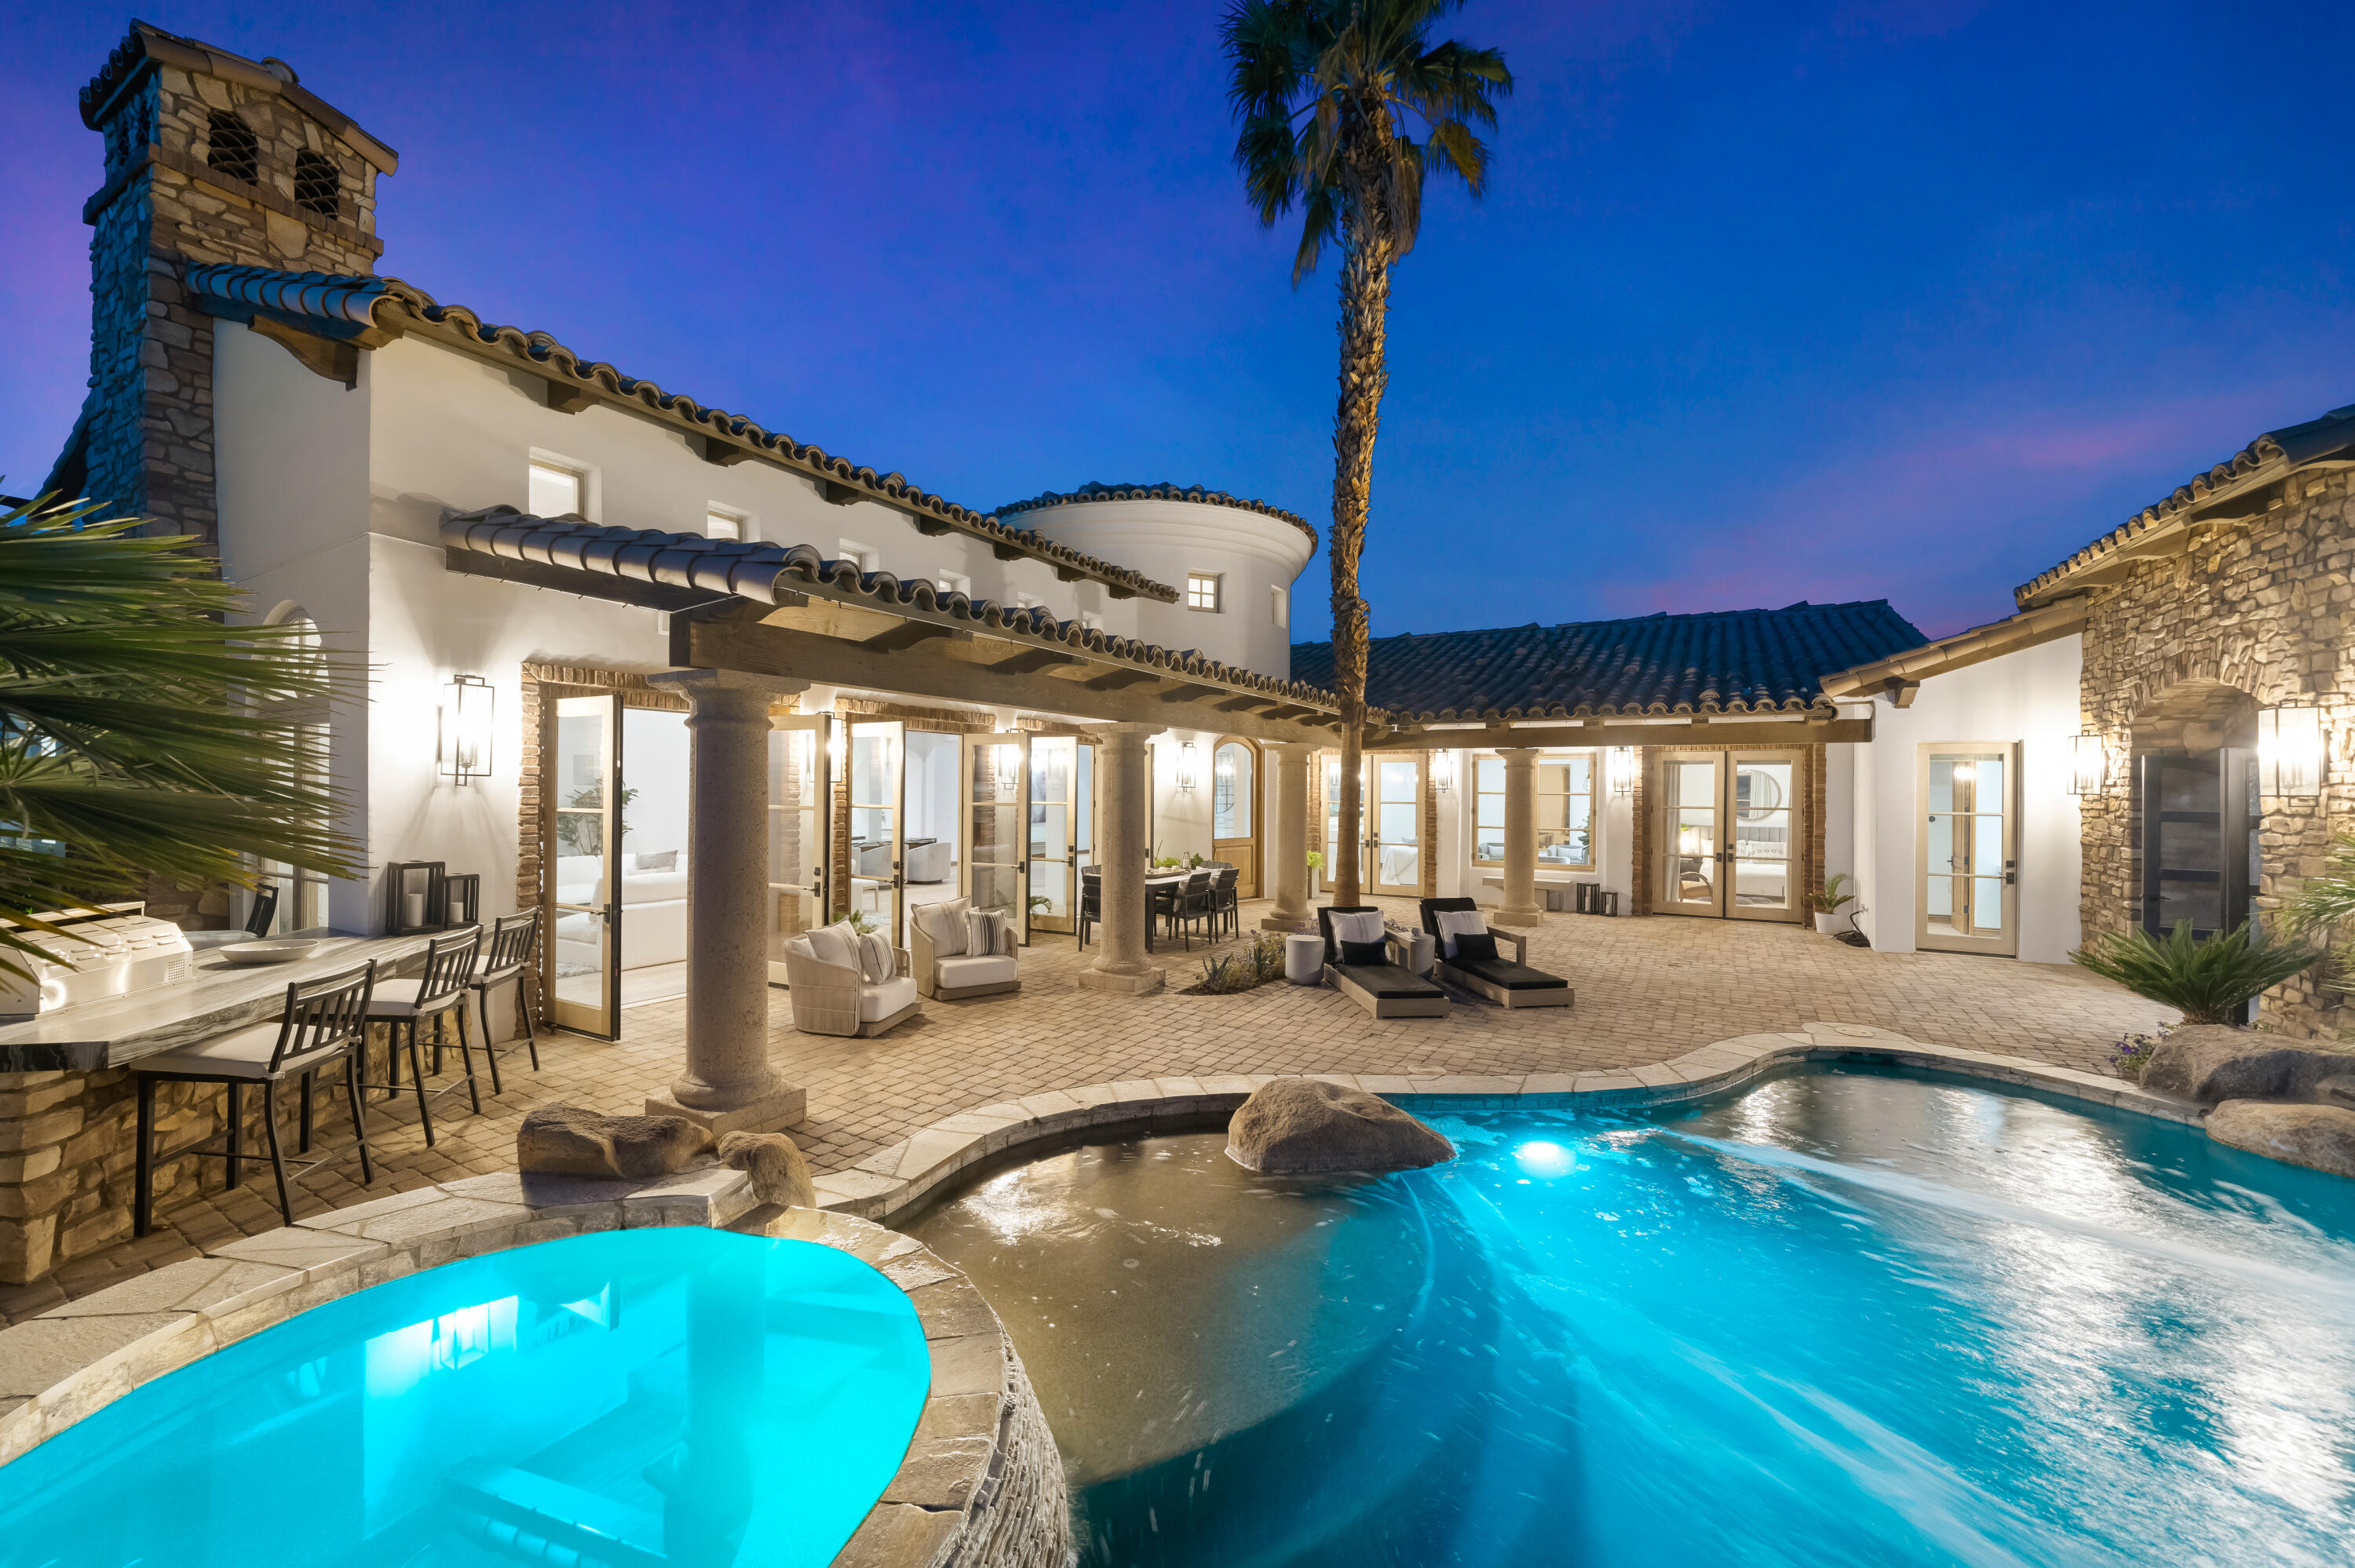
[
  {"x": 1202, "y": 590},
  {"x": 1092, "y": 621},
  {"x": 720, "y": 523},
  {"x": 863, "y": 557},
  {"x": 1565, "y": 812},
  {"x": 1279, "y": 604},
  {"x": 953, "y": 582},
  {"x": 555, "y": 490}
]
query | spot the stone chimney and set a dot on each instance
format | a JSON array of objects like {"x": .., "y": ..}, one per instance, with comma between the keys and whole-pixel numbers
[{"x": 210, "y": 157}]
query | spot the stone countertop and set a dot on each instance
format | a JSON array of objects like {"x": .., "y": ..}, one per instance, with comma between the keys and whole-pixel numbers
[{"x": 221, "y": 996}]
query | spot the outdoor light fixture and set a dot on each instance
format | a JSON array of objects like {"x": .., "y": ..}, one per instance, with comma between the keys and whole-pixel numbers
[
  {"x": 2089, "y": 765},
  {"x": 462, "y": 748},
  {"x": 1009, "y": 768},
  {"x": 1186, "y": 767},
  {"x": 1619, "y": 762},
  {"x": 2289, "y": 751},
  {"x": 1442, "y": 771}
]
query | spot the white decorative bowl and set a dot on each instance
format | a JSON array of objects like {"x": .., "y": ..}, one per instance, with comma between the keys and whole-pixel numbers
[{"x": 275, "y": 952}]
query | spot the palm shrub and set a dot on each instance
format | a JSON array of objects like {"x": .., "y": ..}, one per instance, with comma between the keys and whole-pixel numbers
[
  {"x": 2211, "y": 981},
  {"x": 140, "y": 735},
  {"x": 2326, "y": 902},
  {"x": 1330, "y": 96}
]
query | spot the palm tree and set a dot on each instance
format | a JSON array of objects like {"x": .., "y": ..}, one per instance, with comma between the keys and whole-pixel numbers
[
  {"x": 1329, "y": 94},
  {"x": 142, "y": 736}
]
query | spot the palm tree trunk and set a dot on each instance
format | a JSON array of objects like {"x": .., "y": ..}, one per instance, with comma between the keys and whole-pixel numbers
[{"x": 1364, "y": 312}]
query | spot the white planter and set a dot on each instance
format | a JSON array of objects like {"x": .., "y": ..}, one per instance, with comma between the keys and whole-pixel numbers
[{"x": 1829, "y": 925}]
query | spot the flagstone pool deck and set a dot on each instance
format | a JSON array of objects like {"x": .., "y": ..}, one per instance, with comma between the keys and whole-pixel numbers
[{"x": 1648, "y": 989}]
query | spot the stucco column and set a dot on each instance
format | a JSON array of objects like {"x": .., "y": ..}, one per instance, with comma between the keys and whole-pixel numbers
[
  {"x": 1122, "y": 776},
  {"x": 1522, "y": 906},
  {"x": 727, "y": 1084},
  {"x": 1288, "y": 842}
]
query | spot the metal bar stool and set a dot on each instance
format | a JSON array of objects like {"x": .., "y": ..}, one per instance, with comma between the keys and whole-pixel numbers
[
  {"x": 435, "y": 994},
  {"x": 326, "y": 1021},
  {"x": 512, "y": 939}
]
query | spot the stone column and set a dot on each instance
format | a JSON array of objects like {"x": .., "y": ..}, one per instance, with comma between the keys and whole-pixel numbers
[
  {"x": 727, "y": 1084},
  {"x": 1522, "y": 906},
  {"x": 1288, "y": 839},
  {"x": 1123, "y": 775}
]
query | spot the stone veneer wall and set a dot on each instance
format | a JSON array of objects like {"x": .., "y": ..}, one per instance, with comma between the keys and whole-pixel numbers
[{"x": 2264, "y": 607}]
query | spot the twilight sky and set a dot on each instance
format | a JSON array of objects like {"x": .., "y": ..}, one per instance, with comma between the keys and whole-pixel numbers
[{"x": 1836, "y": 301}]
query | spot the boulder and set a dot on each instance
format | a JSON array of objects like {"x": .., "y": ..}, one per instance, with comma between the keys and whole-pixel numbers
[
  {"x": 1302, "y": 1125},
  {"x": 566, "y": 1140},
  {"x": 2322, "y": 1137},
  {"x": 2210, "y": 1062},
  {"x": 780, "y": 1175}
]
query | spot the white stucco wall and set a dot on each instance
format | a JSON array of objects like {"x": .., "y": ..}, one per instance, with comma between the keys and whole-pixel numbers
[{"x": 2029, "y": 698}]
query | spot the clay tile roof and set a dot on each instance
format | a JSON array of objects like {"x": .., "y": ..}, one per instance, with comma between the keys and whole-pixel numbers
[
  {"x": 762, "y": 572},
  {"x": 1096, "y": 489},
  {"x": 342, "y": 306},
  {"x": 1735, "y": 661},
  {"x": 2270, "y": 455}
]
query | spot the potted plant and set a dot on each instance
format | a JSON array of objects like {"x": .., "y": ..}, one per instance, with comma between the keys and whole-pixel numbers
[
  {"x": 1829, "y": 904},
  {"x": 1315, "y": 868}
]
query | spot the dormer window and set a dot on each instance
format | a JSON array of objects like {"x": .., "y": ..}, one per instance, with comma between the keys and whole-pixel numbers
[
  {"x": 233, "y": 149},
  {"x": 317, "y": 188}
]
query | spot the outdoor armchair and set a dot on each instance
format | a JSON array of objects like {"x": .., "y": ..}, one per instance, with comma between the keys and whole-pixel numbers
[
  {"x": 945, "y": 967},
  {"x": 838, "y": 999}
]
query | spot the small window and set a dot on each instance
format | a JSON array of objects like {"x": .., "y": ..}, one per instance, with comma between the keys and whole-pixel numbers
[
  {"x": 1202, "y": 590},
  {"x": 863, "y": 557},
  {"x": 1092, "y": 621},
  {"x": 953, "y": 582},
  {"x": 235, "y": 151},
  {"x": 555, "y": 490},
  {"x": 317, "y": 188},
  {"x": 720, "y": 522},
  {"x": 1279, "y": 604}
]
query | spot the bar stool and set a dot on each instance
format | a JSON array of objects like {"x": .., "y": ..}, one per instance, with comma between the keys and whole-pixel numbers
[
  {"x": 324, "y": 1021},
  {"x": 438, "y": 992},
  {"x": 512, "y": 939}
]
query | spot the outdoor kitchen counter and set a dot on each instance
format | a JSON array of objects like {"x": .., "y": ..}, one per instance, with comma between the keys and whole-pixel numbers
[{"x": 221, "y": 996}]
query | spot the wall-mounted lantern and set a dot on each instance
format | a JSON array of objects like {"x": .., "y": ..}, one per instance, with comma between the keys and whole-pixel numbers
[
  {"x": 1186, "y": 767},
  {"x": 1619, "y": 764},
  {"x": 1009, "y": 768},
  {"x": 1442, "y": 771},
  {"x": 2089, "y": 765},
  {"x": 462, "y": 748},
  {"x": 2289, "y": 751}
]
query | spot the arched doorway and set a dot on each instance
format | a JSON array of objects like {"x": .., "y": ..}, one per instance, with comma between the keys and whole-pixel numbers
[{"x": 1234, "y": 810}]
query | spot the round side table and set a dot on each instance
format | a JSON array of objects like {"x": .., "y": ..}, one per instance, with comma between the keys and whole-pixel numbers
[{"x": 1304, "y": 957}]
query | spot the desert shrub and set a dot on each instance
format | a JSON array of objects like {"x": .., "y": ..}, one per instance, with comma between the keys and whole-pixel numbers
[{"x": 2211, "y": 981}]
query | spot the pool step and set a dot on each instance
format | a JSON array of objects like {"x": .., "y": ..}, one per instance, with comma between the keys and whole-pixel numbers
[{"x": 530, "y": 1517}]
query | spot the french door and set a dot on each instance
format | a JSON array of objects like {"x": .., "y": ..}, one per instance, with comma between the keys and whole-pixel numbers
[
  {"x": 586, "y": 952},
  {"x": 1234, "y": 814},
  {"x": 1061, "y": 813},
  {"x": 878, "y": 822},
  {"x": 1394, "y": 847},
  {"x": 1726, "y": 829},
  {"x": 800, "y": 830},
  {"x": 1969, "y": 867},
  {"x": 995, "y": 855}
]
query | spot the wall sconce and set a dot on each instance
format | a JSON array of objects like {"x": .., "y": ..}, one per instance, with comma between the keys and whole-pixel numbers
[
  {"x": 2089, "y": 765},
  {"x": 2289, "y": 751},
  {"x": 835, "y": 742},
  {"x": 1186, "y": 767},
  {"x": 1009, "y": 768},
  {"x": 462, "y": 746},
  {"x": 1619, "y": 763},
  {"x": 1442, "y": 771}
]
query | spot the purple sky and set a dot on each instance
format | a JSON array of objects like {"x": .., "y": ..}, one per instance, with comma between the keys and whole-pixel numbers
[{"x": 1902, "y": 300}]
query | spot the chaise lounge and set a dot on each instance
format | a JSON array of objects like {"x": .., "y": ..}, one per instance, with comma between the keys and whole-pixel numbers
[
  {"x": 1508, "y": 983},
  {"x": 1386, "y": 988}
]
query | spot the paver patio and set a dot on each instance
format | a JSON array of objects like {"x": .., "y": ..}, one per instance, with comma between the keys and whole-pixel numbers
[{"x": 1648, "y": 990}]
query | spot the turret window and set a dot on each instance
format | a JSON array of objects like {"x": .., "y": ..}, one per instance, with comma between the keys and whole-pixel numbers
[
  {"x": 235, "y": 151},
  {"x": 317, "y": 188},
  {"x": 1202, "y": 591}
]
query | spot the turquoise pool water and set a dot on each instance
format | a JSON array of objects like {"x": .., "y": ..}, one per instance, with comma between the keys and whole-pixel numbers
[
  {"x": 1847, "y": 1317},
  {"x": 638, "y": 1398}
]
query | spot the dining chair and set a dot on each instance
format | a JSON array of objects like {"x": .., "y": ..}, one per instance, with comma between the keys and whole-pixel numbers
[
  {"x": 1226, "y": 903},
  {"x": 1090, "y": 899},
  {"x": 513, "y": 937},
  {"x": 438, "y": 992}
]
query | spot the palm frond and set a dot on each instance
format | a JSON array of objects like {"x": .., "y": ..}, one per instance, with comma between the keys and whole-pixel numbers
[{"x": 2211, "y": 981}]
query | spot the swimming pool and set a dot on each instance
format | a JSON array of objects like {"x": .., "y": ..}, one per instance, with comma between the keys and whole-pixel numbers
[
  {"x": 666, "y": 1396},
  {"x": 1845, "y": 1318}
]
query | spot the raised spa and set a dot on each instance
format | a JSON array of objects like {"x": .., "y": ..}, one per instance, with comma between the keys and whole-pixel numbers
[
  {"x": 1847, "y": 1317},
  {"x": 670, "y": 1396}
]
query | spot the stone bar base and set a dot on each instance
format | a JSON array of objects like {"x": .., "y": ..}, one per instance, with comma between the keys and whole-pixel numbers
[{"x": 771, "y": 1113}]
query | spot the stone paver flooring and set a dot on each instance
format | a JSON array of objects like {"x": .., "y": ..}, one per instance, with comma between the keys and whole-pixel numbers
[{"x": 1648, "y": 990}]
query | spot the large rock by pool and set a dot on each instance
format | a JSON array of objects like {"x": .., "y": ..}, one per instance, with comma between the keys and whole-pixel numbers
[
  {"x": 2210, "y": 1063},
  {"x": 568, "y": 1140},
  {"x": 1302, "y": 1126},
  {"x": 780, "y": 1175},
  {"x": 2322, "y": 1137}
]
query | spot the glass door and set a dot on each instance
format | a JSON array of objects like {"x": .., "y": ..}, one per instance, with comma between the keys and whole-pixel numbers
[
  {"x": 1234, "y": 818},
  {"x": 586, "y": 997},
  {"x": 1061, "y": 819},
  {"x": 1691, "y": 837},
  {"x": 1394, "y": 849},
  {"x": 1968, "y": 864},
  {"x": 878, "y": 822},
  {"x": 1727, "y": 827},
  {"x": 1764, "y": 812},
  {"x": 994, "y": 857},
  {"x": 799, "y": 831}
]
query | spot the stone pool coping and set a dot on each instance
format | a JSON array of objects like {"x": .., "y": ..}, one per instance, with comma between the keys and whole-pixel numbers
[{"x": 971, "y": 1489}]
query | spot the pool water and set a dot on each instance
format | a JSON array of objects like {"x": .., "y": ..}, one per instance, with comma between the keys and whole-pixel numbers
[
  {"x": 1850, "y": 1318},
  {"x": 638, "y": 1398}
]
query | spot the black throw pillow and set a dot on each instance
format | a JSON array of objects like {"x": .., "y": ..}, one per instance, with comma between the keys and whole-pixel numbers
[
  {"x": 1366, "y": 955},
  {"x": 1476, "y": 946}
]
